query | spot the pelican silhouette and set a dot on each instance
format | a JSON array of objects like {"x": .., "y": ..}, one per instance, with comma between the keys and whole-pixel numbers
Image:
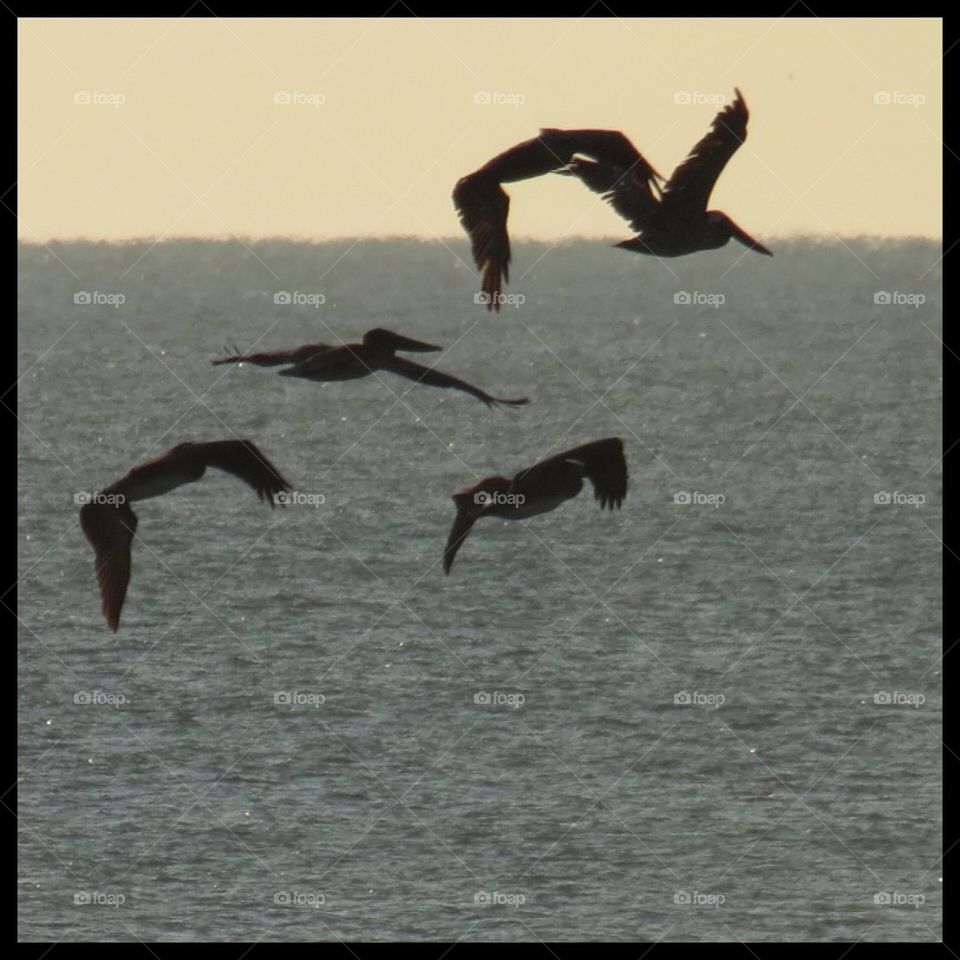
[
  {"x": 671, "y": 220},
  {"x": 351, "y": 361},
  {"x": 541, "y": 488},
  {"x": 109, "y": 523}
]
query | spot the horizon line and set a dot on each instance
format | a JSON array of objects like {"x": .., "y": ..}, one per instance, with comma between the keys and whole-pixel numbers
[{"x": 315, "y": 240}]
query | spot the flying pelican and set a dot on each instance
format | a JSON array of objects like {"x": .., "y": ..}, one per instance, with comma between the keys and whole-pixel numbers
[
  {"x": 541, "y": 488},
  {"x": 354, "y": 360},
  {"x": 110, "y": 524},
  {"x": 671, "y": 220}
]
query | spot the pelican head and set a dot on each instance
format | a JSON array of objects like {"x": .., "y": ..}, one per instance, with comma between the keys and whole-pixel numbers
[{"x": 482, "y": 496}]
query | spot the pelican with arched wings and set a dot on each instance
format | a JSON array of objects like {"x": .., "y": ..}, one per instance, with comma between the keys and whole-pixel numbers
[
  {"x": 541, "y": 488},
  {"x": 670, "y": 217},
  {"x": 110, "y": 524}
]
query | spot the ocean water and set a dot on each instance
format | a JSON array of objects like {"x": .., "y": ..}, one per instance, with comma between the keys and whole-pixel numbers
[{"x": 711, "y": 715}]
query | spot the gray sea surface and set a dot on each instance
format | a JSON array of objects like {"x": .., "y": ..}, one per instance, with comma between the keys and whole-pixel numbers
[{"x": 712, "y": 714}]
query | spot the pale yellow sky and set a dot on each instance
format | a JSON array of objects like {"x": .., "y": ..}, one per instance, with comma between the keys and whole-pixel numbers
[{"x": 177, "y": 127}]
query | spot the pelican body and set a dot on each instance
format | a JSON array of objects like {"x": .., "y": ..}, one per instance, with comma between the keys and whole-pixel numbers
[{"x": 377, "y": 351}]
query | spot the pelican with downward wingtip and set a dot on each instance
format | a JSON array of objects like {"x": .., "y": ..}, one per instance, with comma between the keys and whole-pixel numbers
[
  {"x": 109, "y": 523},
  {"x": 670, "y": 217},
  {"x": 377, "y": 351},
  {"x": 541, "y": 488}
]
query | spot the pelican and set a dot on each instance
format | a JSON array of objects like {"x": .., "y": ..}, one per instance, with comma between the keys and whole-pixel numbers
[
  {"x": 351, "y": 361},
  {"x": 670, "y": 217},
  {"x": 109, "y": 523},
  {"x": 541, "y": 488}
]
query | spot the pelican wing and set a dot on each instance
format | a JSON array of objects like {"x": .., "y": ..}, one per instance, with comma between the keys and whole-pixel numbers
[
  {"x": 243, "y": 459},
  {"x": 110, "y": 531},
  {"x": 555, "y": 148},
  {"x": 462, "y": 525},
  {"x": 434, "y": 378},
  {"x": 277, "y": 358},
  {"x": 629, "y": 191},
  {"x": 610, "y": 148},
  {"x": 482, "y": 205},
  {"x": 603, "y": 463},
  {"x": 692, "y": 182},
  {"x": 542, "y": 154}
]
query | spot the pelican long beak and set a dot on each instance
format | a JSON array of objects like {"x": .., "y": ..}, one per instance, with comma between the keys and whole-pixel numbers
[
  {"x": 635, "y": 244},
  {"x": 743, "y": 237},
  {"x": 414, "y": 346},
  {"x": 381, "y": 339}
]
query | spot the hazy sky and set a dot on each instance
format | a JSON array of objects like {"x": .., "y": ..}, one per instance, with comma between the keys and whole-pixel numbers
[{"x": 324, "y": 128}]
